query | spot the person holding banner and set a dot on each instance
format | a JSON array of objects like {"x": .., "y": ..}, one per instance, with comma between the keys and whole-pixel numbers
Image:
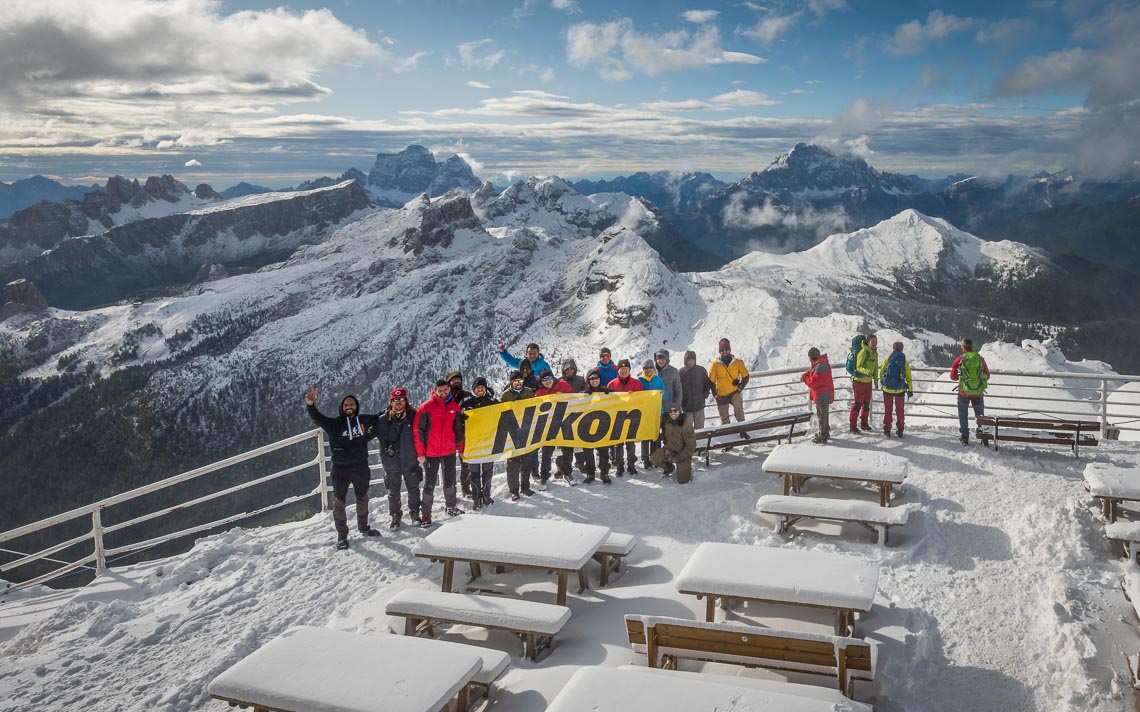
[
  {"x": 548, "y": 385},
  {"x": 679, "y": 442},
  {"x": 438, "y": 431},
  {"x": 624, "y": 383},
  {"x": 522, "y": 466},
  {"x": 593, "y": 458},
  {"x": 479, "y": 473}
]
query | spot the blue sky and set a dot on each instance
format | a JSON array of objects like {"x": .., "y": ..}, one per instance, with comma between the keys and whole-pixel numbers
[{"x": 224, "y": 91}]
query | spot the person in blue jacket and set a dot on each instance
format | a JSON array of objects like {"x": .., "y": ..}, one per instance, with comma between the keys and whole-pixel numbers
[
  {"x": 537, "y": 362},
  {"x": 607, "y": 369},
  {"x": 651, "y": 381}
]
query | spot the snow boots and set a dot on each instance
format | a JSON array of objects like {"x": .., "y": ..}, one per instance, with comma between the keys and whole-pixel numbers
[
  {"x": 454, "y": 511},
  {"x": 341, "y": 544},
  {"x": 425, "y": 521},
  {"x": 395, "y": 524},
  {"x": 362, "y": 526}
]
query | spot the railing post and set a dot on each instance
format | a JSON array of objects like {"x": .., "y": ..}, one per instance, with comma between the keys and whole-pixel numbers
[
  {"x": 1103, "y": 407},
  {"x": 323, "y": 487},
  {"x": 97, "y": 535}
]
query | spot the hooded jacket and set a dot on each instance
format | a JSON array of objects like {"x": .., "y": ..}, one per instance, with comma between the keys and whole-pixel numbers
[
  {"x": 654, "y": 384},
  {"x": 819, "y": 382},
  {"x": 511, "y": 395},
  {"x": 395, "y": 433},
  {"x": 474, "y": 401},
  {"x": 348, "y": 437},
  {"x": 438, "y": 427},
  {"x": 866, "y": 365},
  {"x": 723, "y": 376},
  {"x": 601, "y": 386},
  {"x": 678, "y": 435},
  {"x": 671, "y": 377},
  {"x": 608, "y": 371},
  {"x": 577, "y": 382},
  {"x": 695, "y": 385},
  {"x": 457, "y": 394}
]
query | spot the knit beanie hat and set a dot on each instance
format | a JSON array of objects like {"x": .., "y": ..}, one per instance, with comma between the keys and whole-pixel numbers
[
  {"x": 662, "y": 353},
  {"x": 724, "y": 345},
  {"x": 592, "y": 373},
  {"x": 624, "y": 363},
  {"x": 648, "y": 364},
  {"x": 546, "y": 373},
  {"x": 480, "y": 381},
  {"x": 690, "y": 355},
  {"x": 516, "y": 375}
]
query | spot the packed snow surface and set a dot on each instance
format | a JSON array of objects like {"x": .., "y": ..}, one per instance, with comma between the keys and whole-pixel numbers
[
  {"x": 498, "y": 611},
  {"x": 1000, "y": 593},
  {"x": 1108, "y": 480},
  {"x": 827, "y": 507},
  {"x": 509, "y": 540},
  {"x": 807, "y": 459}
]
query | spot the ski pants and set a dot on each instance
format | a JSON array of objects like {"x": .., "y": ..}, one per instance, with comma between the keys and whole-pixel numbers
[
  {"x": 393, "y": 481},
  {"x": 562, "y": 461},
  {"x": 431, "y": 473},
  {"x": 736, "y": 400},
  {"x": 358, "y": 476},
  {"x": 521, "y": 468},
  {"x": 897, "y": 403},
  {"x": 479, "y": 474},
  {"x": 862, "y": 402},
  {"x": 595, "y": 459},
  {"x": 964, "y": 404},
  {"x": 624, "y": 457},
  {"x": 823, "y": 416}
]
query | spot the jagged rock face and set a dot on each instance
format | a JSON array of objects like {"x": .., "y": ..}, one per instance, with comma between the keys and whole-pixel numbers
[
  {"x": 415, "y": 170},
  {"x": 439, "y": 222},
  {"x": 327, "y": 182},
  {"x": 243, "y": 189},
  {"x": 27, "y": 192},
  {"x": 21, "y": 296},
  {"x": 210, "y": 272},
  {"x": 815, "y": 168},
  {"x": 206, "y": 192},
  {"x": 100, "y": 268}
]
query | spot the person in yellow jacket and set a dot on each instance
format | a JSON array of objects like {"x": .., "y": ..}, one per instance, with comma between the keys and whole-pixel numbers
[
  {"x": 866, "y": 374},
  {"x": 895, "y": 377},
  {"x": 728, "y": 376}
]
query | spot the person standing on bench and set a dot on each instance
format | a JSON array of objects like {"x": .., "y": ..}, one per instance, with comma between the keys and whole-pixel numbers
[
  {"x": 533, "y": 357},
  {"x": 818, "y": 380},
  {"x": 598, "y": 457},
  {"x": 695, "y": 390},
  {"x": 679, "y": 442},
  {"x": 895, "y": 378},
  {"x": 606, "y": 366},
  {"x": 398, "y": 454},
  {"x": 864, "y": 381},
  {"x": 520, "y": 466},
  {"x": 729, "y": 378},
  {"x": 348, "y": 437},
  {"x": 439, "y": 438},
  {"x": 624, "y": 383},
  {"x": 479, "y": 473},
  {"x": 973, "y": 375}
]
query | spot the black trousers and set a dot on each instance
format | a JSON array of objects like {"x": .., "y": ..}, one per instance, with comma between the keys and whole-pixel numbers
[
  {"x": 393, "y": 481},
  {"x": 431, "y": 472},
  {"x": 521, "y": 468},
  {"x": 624, "y": 456},
  {"x": 358, "y": 476},
  {"x": 479, "y": 475}
]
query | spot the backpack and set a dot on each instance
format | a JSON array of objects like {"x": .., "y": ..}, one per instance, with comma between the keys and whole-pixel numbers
[
  {"x": 893, "y": 374},
  {"x": 971, "y": 376},
  {"x": 856, "y": 345}
]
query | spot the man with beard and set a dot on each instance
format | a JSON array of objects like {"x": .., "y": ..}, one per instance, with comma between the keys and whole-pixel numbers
[
  {"x": 398, "y": 454},
  {"x": 479, "y": 473},
  {"x": 348, "y": 438},
  {"x": 439, "y": 438}
]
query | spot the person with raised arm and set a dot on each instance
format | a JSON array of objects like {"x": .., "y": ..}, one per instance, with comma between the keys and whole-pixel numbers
[
  {"x": 348, "y": 438},
  {"x": 533, "y": 356}
]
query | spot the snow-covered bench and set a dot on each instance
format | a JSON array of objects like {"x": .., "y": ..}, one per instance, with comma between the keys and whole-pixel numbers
[
  {"x": 789, "y": 510},
  {"x": 305, "y": 669},
  {"x": 718, "y": 437},
  {"x": 798, "y": 463},
  {"x": 1127, "y": 534},
  {"x": 536, "y": 623},
  {"x": 1111, "y": 485},
  {"x": 1130, "y": 584},
  {"x": 795, "y": 689},
  {"x": 1041, "y": 431},
  {"x": 664, "y": 641},
  {"x": 615, "y": 548}
]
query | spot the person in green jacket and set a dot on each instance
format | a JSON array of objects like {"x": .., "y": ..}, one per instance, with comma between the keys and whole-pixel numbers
[
  {"x": 895, "y": 378},
  {"x": 866, "y": 374},
  {"x": 679, "y": 442}
]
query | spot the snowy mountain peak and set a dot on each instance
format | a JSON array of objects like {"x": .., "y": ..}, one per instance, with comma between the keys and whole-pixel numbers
[
  {"x": 809, "y": 168},
  {"x": 415, "y": 170}
]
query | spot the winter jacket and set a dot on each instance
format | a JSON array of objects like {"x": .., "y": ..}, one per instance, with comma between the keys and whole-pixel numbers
[
  {"x": 560, "y": 386},
  {"x": 439, "y": 427},
  {"x": 608, "y": 371},
  {"x": 678, "y": 435},
  {"x": 513, "y": 361},
  {"x": 674, "y": 389},
  {"x": 695, "y": 386},
  {"x": 577, "y": 381},
  {"x": 866, "y": 366},
  {"x": 599, "y": 389},
  {"x": 348, "y": 437},
  {"x": 654, "y": 384},
  {"x": 473, "y": 402},
  {"x": 396, "y": 434},
  {"x": 510, "y": 395},
  {"x": 908, "y": 384},
  {"x": 631, "y": 384},
  {"x": 818, "y": 380},
  {"x": 728, "y": 378},
  {"x": 954, "y": 373}
]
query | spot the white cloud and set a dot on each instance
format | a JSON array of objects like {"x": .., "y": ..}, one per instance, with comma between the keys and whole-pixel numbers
[
  {"x": 722, "y": 102},
  {"x": 768, "y": 29},
  {"x": 1004, "y": 30},
  {"x": 801, "y": 91},
  {"x": 400, "y": 65},
  {"x": 565, "y": 5},
  {"x": 736, "y": 82},
  {"x": 743, "y": 97},
  {"x": 821, "y": 7},
  {"x": 617, "y": 49},
  {"x": 479, "y": 55},
  {"x": 192, "y": 163},
  {"x": 478, "y": 85},
  {"x": 700, "y": 16},
  {"x": 914, "y": 36},
  {"x": 823, "y": 223}
]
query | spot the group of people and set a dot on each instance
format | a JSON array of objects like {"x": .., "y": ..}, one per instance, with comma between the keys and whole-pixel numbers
[
  {"x": 891, "y": 376},
  {"x": 420, "y": 445}
]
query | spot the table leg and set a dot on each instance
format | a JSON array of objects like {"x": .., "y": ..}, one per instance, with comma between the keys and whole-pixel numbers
[
  {"x": 475, "y": 569},
  {"x": 461, "y": 700},
  {"x": 583, "y": 582},
  {"x": 1112, "y": 505},
  {"x": 787, "y": 485},
  {"x": 725, "y": 602},
  {"x": 885, "y": 494},
  {"x": 605, "y": 577},
  {"x": 841, "y": 623},
  {"x": 448, "y": 573},
  {"x": 561, "y": 598},
  {"x": 710, "y": 608}
]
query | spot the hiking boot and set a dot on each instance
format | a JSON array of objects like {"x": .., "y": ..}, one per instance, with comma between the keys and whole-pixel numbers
[
  {"x": 476, "y": 503},
  {"x": 413, "y": 515},
  {"x": 487, "y": 501},
  {"x": 667, "y": 469},
  {"x": 898, "y": 432},
  {"x": 542, "y": 486},
  {"x": 819, "y": 439},
  {"x": 865, "y": 426},
  {"x": 631, "y": 471},
  {"x": 965, "y": 439},
  {"x": 395, "y": 523},
  {"x": 425, "y": 521},
  {"x": 854, "y": 430},
  {"x": 453, "y": 511},
  {"x": 528, "y": 492},
  {"x": 341, "y": 544},
  {"x": 369, "y": 531},
  {"x": 589, "y": 480},
  {"x": 606, "y": 480},
  {"x": 886, "y": 432},
  {"x": 514, "y": 496}
]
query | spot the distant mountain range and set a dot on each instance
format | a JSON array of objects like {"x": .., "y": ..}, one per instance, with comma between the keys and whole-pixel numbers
[{"x": 19, "y": 194}]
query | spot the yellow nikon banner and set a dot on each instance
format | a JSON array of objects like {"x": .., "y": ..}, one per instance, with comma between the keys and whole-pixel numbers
[{"x": 585, "y": 420}]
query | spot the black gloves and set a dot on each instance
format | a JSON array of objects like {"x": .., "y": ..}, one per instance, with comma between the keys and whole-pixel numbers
[
  {"x": 909, "y": 394},
  {"x": 737, "y": 382}
]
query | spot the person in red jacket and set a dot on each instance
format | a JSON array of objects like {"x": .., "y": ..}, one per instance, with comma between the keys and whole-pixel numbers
[
  {"x": 818, "y": 380},
  {"x": 625, "y": 383},
  {"x": 973, "y": 375},
  {"x": 438, "y": 430},
  {"x": 548, "y": 385}
]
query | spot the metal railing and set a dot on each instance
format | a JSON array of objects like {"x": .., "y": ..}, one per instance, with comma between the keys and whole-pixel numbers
[{"x": 768, "y": 392}]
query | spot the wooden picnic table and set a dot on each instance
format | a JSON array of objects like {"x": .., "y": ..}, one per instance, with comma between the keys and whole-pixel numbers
[
  {"x": 310, "y": 669},
  {"x": 1111, "y": 485},
  {"x": 544, "y": 544},
  {"x": 626, "y": 689},
  {"x": 814, "y": 579},
  {"x": 797, "y": 463}
]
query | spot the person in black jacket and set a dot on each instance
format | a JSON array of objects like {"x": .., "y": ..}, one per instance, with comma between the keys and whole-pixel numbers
[
  {"x": 520, "y": 467},
  {"x": 695, "y": 389},
  {"x": 479, "y": 473},
  {"x": 348, "y": 438},
  {"x": 599, "y": 456},
  {"x": 398, "y": 454}
]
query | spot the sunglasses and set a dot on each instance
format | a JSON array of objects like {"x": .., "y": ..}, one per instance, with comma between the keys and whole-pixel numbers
[
  {"x": 398, "y": 400},
  {"x": 548, "y": 378}
]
